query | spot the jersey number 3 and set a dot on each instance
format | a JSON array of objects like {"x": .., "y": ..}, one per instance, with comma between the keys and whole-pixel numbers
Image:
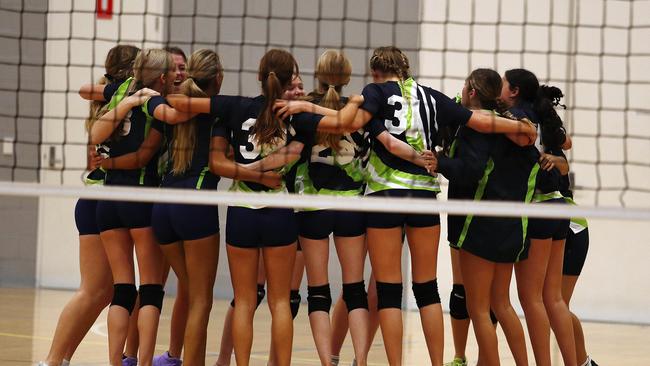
[
  {"x": 397, "y": 125},
  {"x": 249, "y": 151}
]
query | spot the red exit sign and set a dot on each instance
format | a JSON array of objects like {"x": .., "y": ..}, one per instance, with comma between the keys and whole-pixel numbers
[{"x": 104, "y": 9}]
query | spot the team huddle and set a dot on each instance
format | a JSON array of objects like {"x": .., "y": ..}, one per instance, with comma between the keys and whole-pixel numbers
[{"x": 157, "y": 119}]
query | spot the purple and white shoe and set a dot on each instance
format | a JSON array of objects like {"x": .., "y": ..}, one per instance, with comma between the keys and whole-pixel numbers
[
  {"x": 166, "y": 360},
  {"x": 129, "y": 361}
]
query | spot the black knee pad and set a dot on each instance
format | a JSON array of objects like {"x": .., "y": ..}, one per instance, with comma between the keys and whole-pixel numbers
[
  {"x": 319, "y": 298},
  {"x": 152, "y": 295},
  {"x": 294, "y": 302},
  {"x": 493, "y": 317},
  {"x": 389, "y": 295},
  {"x": 124, "y": 295},
  {"x": 457, "y": 303},
  {"x": 355, "y": 296},
  {"x": 260, "y": 294},
  {"x": 426, "y": 293}
]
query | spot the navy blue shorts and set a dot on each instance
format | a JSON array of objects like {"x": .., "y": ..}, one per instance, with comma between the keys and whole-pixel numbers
[
  {"x": 175, "y": 222},
  {"x": 387, "y": 220},
  {"x": 556, "y": 229},
  {"x": 575, "y": 252},
  {"x": 260, "y": 228},
  {"x": 85, "y": 217},
  {"x": 120, "y": 214},
  {"x": 320, "y": 224}
]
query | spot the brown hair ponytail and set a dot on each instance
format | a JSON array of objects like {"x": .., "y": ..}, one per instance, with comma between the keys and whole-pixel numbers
[
  {"x": 487, "y": 84},
  {"x": 333, "y": 71},
  {"x": 277, "y": 68}
]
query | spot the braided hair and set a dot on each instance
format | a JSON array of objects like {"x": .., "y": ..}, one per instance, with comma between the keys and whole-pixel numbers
[{"x": 390, "y": 60}]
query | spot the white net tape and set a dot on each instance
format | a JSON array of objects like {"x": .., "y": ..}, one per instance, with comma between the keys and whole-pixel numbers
[{"x": 374, "y": 204}]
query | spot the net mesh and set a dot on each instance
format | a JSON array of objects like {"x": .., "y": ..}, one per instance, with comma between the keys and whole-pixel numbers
[{"x": 595, "y": 51}]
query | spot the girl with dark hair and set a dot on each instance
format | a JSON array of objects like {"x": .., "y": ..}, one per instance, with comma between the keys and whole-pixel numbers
[
  {"x": 487, "y": 167},
  {"x": 295, "y": 91},
  {"x": 539, "y": 278}
]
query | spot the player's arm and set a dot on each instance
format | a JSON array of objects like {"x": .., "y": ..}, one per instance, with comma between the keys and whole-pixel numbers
[
  {"x": 568, "y": 143},
  {"x": 349, "y": 119},
  {"x": 405, "y": 151},
  {"x": 522, "y": 133},
  {"x": 549, "y": 161},
  {"x": 222, "y": 166},
  {"x": 92, "y": 92},
  {"x": 104, "y": 126},
  {"x": 279, "y": 158},
  {"x": 170, "y": 115},
  {"x": 192, "y": 105},
  {"x": 470, "y": 162}
]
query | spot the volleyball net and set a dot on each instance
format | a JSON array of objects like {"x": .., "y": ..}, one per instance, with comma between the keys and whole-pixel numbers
[{"x": 595, "y": 51}]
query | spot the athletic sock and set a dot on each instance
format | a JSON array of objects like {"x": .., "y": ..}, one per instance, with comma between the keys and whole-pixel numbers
[
  {"x": 65, "y": 362},
  {"x": 334, "y": 360},
  {"x": 587, "y": 362}
]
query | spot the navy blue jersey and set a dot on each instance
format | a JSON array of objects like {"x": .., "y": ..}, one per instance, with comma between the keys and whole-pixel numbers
[
  {"x": 198, "y": 174},
  {"x": 412, "y": 113},
  {"x": 464, "y": 167},
  {"x": 133, "y": 131},
  {"x": 98, "y": 175},
  {"x": 237, "y": 117},
  {"x": 548, "y": 182},
  {"x": 489, "y": 167},
  {"x": 323, "y": 170}
]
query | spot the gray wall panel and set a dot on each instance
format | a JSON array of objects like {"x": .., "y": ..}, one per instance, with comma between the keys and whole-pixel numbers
[{"x": 19, "y": 216}]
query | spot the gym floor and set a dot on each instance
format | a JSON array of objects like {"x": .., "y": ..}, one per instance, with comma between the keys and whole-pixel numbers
[{"x": 28, "y": 318}]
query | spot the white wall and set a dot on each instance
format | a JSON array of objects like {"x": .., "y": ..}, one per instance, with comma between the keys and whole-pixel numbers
[{"x": 614, "y": 285}]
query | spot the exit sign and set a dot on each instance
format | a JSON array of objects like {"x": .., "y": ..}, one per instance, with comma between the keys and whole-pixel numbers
[{"x": 104, "y": 9}]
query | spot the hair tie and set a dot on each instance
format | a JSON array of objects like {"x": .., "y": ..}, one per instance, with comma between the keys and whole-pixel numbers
[
  {"x": 331, "y": 86},
  {"x": 272, "y": 73}
]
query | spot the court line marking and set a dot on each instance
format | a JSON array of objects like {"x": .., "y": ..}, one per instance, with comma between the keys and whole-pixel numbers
[{"x": 96, "y": 329}]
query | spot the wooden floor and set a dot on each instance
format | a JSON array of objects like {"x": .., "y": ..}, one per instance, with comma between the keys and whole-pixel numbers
[{"x": 28, "y": 318}]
